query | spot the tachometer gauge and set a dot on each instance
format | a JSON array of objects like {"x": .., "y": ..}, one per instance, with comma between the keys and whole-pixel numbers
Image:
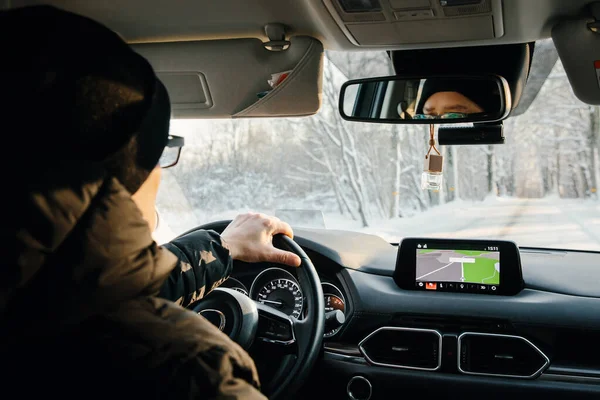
[{"x": 283, "y": 295}]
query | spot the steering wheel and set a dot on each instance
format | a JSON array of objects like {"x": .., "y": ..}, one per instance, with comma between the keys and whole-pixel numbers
[{"x": 251, "y": 324}]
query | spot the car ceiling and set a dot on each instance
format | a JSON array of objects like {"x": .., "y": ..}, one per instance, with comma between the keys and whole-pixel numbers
[{"x": 140, "y": 21}]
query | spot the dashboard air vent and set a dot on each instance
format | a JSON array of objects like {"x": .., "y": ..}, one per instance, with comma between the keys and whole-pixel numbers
[
  {"x": 499, "y": 355},
  {"x": 410, "y": 348}
]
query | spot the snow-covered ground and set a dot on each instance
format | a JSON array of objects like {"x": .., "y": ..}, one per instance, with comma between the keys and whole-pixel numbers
[{"x": 550, "y": 222}]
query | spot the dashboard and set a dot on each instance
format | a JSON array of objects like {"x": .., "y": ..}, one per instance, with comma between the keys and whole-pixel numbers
[
  {"x": 541, "y": 340},
  {"x": 532, "y": 330}
]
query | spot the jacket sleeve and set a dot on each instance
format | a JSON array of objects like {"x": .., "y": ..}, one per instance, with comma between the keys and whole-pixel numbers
[{"x": 204, "y": 263}]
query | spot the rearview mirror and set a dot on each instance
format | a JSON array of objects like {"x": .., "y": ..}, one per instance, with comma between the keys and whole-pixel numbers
[{"x": 426, "y": 100}]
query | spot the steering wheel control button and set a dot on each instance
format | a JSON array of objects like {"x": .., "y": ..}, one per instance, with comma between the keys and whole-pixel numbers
[
  {"x": 359, "y": 388},
  {"x": 272, "y": 329}
]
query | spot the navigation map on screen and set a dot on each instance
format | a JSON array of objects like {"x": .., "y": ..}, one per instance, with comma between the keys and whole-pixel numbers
[{"x": 468, "y": 266}]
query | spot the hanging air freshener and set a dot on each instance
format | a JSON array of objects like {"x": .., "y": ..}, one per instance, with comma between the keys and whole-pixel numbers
[{"x": 431, "y": 179}]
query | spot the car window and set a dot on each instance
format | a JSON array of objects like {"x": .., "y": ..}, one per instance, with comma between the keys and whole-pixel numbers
[{"x": 539, "y": 189}]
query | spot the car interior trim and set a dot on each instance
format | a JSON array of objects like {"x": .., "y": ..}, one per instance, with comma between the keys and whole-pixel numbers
[{"x": 577, "y": 379}]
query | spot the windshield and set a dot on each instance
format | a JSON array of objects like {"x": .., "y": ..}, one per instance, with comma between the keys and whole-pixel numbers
[{"x": 538, "y": 189}]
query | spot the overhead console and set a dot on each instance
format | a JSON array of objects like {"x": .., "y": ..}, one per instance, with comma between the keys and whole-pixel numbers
[
  {"x": 464, "y": 266},
  {"x": 395, "y": 22}
]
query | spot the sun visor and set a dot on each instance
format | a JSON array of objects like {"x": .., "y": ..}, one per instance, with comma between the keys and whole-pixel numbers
[
  {"x": 239, "y": 78},
  {"x": 579, "y": 51}
]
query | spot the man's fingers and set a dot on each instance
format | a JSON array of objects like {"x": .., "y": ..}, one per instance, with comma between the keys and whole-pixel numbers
[
  {"x": 283, "y": 227},
  {"x": 282, "y": 257}
]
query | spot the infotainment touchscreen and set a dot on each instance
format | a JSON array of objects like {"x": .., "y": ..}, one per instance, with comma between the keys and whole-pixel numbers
[
  {"x": 450, "y": 265},
  {"x": 478, "y": 266}
]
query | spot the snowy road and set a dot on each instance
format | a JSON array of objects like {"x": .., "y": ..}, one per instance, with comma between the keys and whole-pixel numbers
[{"x": 550, "y": 222}]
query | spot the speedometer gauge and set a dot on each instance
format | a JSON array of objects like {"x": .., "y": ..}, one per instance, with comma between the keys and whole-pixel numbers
[{"x": 283, "y": 295}]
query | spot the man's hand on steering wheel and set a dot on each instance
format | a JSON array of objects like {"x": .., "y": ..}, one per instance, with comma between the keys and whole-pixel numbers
[{"x": 249, "y": 238}]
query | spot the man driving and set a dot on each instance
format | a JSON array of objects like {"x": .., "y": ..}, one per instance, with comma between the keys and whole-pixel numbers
[{"x": 88, "y": 300}]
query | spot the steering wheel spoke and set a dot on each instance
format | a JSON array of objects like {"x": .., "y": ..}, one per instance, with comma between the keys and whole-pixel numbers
[{"x": 274, "y": 326}]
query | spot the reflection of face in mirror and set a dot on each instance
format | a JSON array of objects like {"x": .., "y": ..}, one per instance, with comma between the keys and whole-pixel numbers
[
  {"x": 443, "y": 103},
  {"x": 452, "y": 99}
]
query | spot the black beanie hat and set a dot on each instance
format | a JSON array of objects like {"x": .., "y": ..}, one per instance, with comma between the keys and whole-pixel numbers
[
  {"x": 72, "y": 90},
  {"x": 485, "y": 93}
]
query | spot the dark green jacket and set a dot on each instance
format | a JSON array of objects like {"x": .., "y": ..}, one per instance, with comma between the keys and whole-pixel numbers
[{"x": 80, "y": 310}]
